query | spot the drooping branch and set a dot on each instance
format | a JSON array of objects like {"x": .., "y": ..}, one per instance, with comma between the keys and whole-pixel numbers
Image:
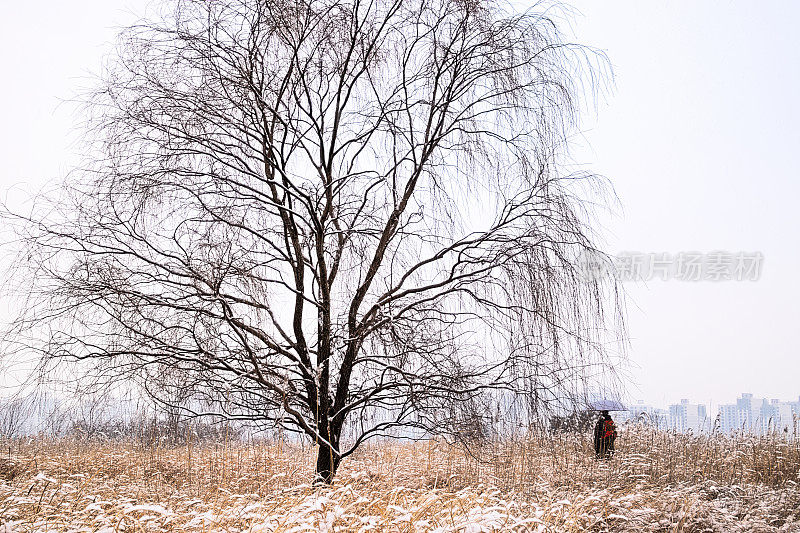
[{"x": 346, "y": 219}]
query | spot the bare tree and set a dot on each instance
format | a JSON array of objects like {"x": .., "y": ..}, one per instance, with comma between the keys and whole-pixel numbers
[
  {"x": 343, "y": 218},
  {"x": 14, "y": 413}
]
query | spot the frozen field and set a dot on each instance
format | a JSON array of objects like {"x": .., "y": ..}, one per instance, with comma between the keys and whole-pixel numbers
[{"x": 657, "y": 482}]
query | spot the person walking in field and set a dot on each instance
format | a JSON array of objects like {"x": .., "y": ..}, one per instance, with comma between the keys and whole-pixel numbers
[{"x": 605, "y": 433}]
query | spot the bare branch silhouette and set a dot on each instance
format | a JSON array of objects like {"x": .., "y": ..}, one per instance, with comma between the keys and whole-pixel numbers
[{"x": 345, "y": 218}]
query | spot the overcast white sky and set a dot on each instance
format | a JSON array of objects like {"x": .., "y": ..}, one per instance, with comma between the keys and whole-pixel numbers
[{"x": 700, "y": 139}]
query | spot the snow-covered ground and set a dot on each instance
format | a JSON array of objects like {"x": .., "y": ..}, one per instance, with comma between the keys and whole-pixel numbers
[{"x": 656, "y": 482}]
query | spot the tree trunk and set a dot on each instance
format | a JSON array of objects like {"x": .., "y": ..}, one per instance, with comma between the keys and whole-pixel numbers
[{"x": 327, "y": 464}]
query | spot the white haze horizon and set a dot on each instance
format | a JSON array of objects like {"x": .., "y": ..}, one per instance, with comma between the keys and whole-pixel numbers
[{"x": 697, "y": 136}]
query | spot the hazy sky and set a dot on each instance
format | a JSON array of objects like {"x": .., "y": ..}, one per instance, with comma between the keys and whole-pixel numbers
[
  {"x": 699, "y": 137},
  {"x": 701, "y": 141}
]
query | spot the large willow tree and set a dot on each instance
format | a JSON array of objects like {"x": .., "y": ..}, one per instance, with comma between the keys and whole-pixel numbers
[{"x": 343, "y": 218}]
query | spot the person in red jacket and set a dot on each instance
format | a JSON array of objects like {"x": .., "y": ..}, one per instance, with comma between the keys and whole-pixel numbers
[{"x": 605, "y": 433}]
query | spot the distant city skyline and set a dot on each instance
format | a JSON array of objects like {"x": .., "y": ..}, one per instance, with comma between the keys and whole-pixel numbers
[
  {"x": 712, "y": 404},
  {"x": 747, "y": 413}
]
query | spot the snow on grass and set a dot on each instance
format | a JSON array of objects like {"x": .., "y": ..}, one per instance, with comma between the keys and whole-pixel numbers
[{"x": 656, "y": 482}]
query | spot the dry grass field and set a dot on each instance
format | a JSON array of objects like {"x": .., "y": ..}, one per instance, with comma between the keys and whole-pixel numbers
[{"x": 657, "y": 481}]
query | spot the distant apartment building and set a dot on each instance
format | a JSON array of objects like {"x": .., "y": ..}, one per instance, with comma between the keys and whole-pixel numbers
[
  {"x": 783, "y": 416},
  {"x": 687, "y": 416},
  {"x": 759, "y": 416},
  {"x": 728, "y": 418},
  {"x": 644, "y": 414}
]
